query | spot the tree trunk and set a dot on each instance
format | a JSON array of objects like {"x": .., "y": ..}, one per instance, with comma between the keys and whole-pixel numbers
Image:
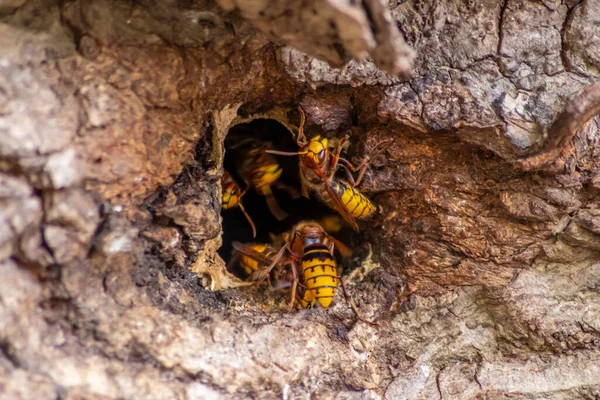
[{"x": 481, "y": 268}]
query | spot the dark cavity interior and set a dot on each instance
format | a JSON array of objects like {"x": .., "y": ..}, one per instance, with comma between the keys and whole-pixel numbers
[{"x": 235, "y": 225}]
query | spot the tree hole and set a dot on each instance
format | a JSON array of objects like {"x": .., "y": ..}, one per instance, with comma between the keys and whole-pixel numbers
[{"x": 266, "y": 132}]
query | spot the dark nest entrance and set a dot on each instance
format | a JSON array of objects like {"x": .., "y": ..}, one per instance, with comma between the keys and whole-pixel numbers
[{"x": 236, "y": 227}]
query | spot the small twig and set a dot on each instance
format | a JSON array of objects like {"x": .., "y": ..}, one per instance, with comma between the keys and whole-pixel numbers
[{"x": 576, "y": 113}]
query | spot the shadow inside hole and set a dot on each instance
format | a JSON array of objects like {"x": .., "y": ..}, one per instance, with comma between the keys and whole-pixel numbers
[{"x": 236, "y": 227}]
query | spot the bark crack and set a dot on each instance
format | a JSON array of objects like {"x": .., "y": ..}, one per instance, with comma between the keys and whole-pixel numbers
[
  {"x": 564, "y": 46},
  {"x": 475, "y": 376},
  {"x": 438, "y": 385},
  {"x": 422, "y": 112},
  {"x": 8, "y": 351},
  {"x": 503, "y": 8}
]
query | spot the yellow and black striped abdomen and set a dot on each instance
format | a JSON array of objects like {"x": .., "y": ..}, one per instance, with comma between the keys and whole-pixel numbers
[
  {"x": 319, "y": 273},
  {"x": 354, "y": 201}
]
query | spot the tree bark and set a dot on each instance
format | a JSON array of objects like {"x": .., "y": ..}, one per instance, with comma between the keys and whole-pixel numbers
[{"x": 483, "y": 263}]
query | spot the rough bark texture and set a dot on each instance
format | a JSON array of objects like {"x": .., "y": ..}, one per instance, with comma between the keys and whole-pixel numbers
[{"x": 485, "y": 267}]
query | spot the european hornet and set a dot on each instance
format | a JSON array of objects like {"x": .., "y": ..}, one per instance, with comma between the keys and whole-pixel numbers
[
  {"x": 262, "y": 171},
  {"x": 251, "y": 257},
  {"x": 318, "y": 168},
  {"x": 254, "y": 259},
  {"x": 313, "y": 272},
  {"x": 331, "y": 223},
  {"x": 232, "y": 197}
]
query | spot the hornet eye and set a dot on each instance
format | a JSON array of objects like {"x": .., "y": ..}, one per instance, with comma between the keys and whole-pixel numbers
[{"x": 321, "y": 154}]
